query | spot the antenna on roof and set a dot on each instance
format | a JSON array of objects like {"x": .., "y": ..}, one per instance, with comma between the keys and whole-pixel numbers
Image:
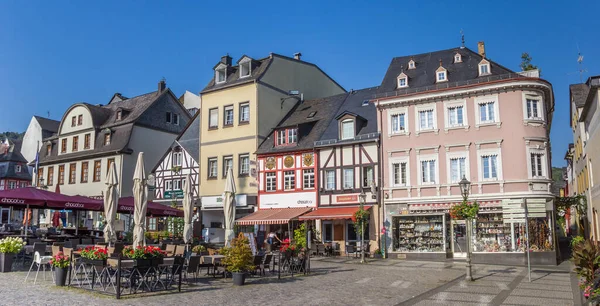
[
  {"x": 580, "y": 62},
  {"x": 48, "y": 114},
  {"x": 462, "y": 38}
]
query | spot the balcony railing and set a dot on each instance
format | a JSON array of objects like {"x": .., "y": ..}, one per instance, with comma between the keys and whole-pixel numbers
[
  {"x": 327, "y": 142},
  {"x": 446, "y": 85}
]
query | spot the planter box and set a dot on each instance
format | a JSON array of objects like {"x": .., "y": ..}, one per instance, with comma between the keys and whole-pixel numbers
[
  {"x": 94, "y": 262},
  {"x": 157, "y": 261},
  {"x": 142, "y": 263},
  {"x": 6, "y": 261}
]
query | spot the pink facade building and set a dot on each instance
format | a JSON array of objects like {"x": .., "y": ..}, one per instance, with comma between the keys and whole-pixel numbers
[{"x": 455, "y": 113}]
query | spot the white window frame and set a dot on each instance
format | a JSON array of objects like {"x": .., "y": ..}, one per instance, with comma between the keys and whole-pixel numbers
[
  {"x": 345, "y": 179},
  {"x": 329, "y": 180},
  {"x": 228, "y": 120},
  {"x": 485, "y": 99},
  {"x": 270, "y": 181},
  {"x": 398, "y": 111},
  {"x": 244, "y": 166},
  {"x": 411, "y": 64},
  {"x": 451, "y": 104},
  {"x": 544, "y": 160},
  {"x": 17, "y": 168},
  {"x": 365, "y": 182},
  {"x": 245, "y": 105},
  {"x": 457, "y": 58},
  {"x": 289, "y": 178},
  {"x": 428, "y": 157},
  {"x": 218, "y": 72},
  {"x": 540, "y": 106},
  {"x": 214, "y": 124},
  {"x": 292, "y": 136},
  {"x": 216, "y": 168},
  {"x": 353, "y": 132},
  {"x": 168, "y": 185},
  {"x": 308, "y": 175},
  {"x": 399, "y": 160},
  {"x": 485, "y": 152},
  {"x": 176, "y": 184},
  {"x": 177, "y": 158},
  {"x": 487, "y": 66},
  {"x": 399, "y": 81},
  {"x": 454, "y": 155},
  {"x": 421, "y": 108},
  {"x": 443, "y": 72},
  {"x": 245, "y": 62}
]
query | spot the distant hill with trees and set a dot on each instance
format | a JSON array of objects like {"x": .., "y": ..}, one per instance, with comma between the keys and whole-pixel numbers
[{"x": 12, "y": 136}]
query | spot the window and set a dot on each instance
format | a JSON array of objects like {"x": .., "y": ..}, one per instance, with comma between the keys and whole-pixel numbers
[
  {"x": 109, "y": 163},
  {"x": 228, "y": 115},
  {"x": 457, "y": 169},
  {"x": 271, "y": 181},
  {"x": 533, "y": 109},
  {"x": 455, "y": 116},
  {"x": 168, "y": 185},
  {"x": 426, "y": 119},
  {"x": 86, "y": 141},
  {"x": 368, "y": 176},
  {"x": 212, "y": 167},
  {"x": 348, "y": 129},
  {"x": 244, "y": 112},
  {"x": 176, "y": 184},
  {"x": 292, "y": 136},
  {"x": 213, "y": 118},
  {"x": 537, "y": 165},
  {"x": 175, "y": 119},
  {"x": 309, "y": 178},
  {"x": 244, "y": 69},
  {"x": 486, "y": 109},
  {"x": 80, "y": 120},
  {"x": 457, "y": 58},
  {"x": 484, "y": 69},
  {"x": 227, "y": 164},
  {"x": 106, "y": 139},
  {"x": 286, "y": 137},
  {"x": 48, "y": 150},
  {"x": 119, "y": 115},
  {"x": 428, "y": 171},
  {"x": 441, "y": 76},
  {"x": 399, "y": 172},
  {"x": 97, "y": 170},
  {"x": 398, "y": 122},
  {"x": 72, "y": 173},
  {"x": 411, "y": 64},
  {"x": 220, "y": 76},
  {"x": 61, "y": 175},
  {"x": 84, "y": 172},
  {"x": 281, "y": 137},
  {"x": 50, "y": 178},
  {"x": 348, "y": 178},
  {"x": 489, "y": 164},
  {"x": 75, "y": 143},
  {"x": 327, "y": 231},
  {"x": 12, "y": 185},
  {"x": 17, "y": 168},
  {"x": 289, "y": 180},
  {"x": 73, "y": 121},
  {"x": 486, "y": 112},
  {"x": 40, "y": 174},
  {"x": 63, "y": 145},
  {"x": 244, "y": 164},
  {"x": 364, "y": 103},
  {"x": 329, "y": 179},
  {"x": 152, "y": 224},
  {"x": 168, "y": 118},
  {"x": 402, "y": 82},
  {"x": 177, "y": 158}
]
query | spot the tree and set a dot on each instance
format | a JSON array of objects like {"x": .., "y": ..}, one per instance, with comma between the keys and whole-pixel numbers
[
  {"x": 12, "y": 136},
  {"x": 526, "y": 62}
]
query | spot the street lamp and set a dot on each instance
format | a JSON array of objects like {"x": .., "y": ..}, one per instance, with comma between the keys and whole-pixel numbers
[
  {"x": 465, "y": 186},
  {"x": 362, "y": 197}
]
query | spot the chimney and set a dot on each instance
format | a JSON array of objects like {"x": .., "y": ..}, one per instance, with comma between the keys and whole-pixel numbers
[
  {"x": 162, "y": 85},
  {"x": 297, "y": 56},
  {"x": 226, "y": 60},
  {"x": 481, "y": 48}
]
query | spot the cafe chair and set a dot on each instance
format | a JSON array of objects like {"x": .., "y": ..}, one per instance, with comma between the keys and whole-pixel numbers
[{"x": 40, "y": 261}]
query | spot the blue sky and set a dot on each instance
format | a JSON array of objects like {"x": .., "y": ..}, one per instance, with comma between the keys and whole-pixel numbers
[{"x": 54, "y": 54}]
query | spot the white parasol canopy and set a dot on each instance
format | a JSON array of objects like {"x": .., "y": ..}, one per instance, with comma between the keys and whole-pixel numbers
[
  {"x": 229, "y": 207},
  {"x": 111, "y": 198},
  {"x": 140, "y": 200},
  {"x": 188, "y": 208}
]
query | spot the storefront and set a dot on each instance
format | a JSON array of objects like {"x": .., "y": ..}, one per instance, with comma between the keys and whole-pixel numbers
[
  {"x": 212, "y": 209},
  {"x": 426, "y": 232}
]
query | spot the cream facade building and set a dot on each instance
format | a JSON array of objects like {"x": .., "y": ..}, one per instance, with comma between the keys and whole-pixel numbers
[{"x": 240, "y": 107}]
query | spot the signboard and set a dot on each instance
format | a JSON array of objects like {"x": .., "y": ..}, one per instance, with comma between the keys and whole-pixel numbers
[
  {"x": 513, "y": 211},
  {"x": 217, "y": 201},
  {"x": 347, "y": 198},
  {"x": 285, "y": 200},
  {"x": 173, "y": 194}
]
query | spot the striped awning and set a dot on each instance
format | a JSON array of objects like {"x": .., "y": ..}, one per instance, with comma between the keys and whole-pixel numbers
[
  {"x": 272, "y": 216},
  {"x": 446, "y": 206},
  {"x": 332, "y": 213}
]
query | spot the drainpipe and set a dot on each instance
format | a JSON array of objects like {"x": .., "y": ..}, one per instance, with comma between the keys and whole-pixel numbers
[{"x": 380, "y": 194}]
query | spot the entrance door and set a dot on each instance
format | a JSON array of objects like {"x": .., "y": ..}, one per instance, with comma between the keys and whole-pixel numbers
[
  {"x": 459, "y": 239},
  {"x": 327, "y": 231},
  {"x": 5, "y": 215}
]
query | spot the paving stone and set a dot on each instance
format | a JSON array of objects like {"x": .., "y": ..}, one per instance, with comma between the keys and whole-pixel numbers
[
  {"x": 522, "y": 300},
  {"x": 543, "y": 293}
]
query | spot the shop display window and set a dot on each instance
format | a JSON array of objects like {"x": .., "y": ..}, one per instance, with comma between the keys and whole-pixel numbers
[
  {"x": 493, "y": 235},
  {"x": 419, "y": 233}
]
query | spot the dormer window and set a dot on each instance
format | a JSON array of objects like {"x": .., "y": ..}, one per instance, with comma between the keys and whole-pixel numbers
[
  {"x": 457, "y": 58},
  {"x": 106, "y": 139},
  {"x": 484, "y": 68},
  {"x": 17, "y": 168},
  {"x": 48, "y": 149},
  {"x": 411, "y": 64},
  {"x": 347, "y": 129},
  {"x": 402, "y": 80},
  {"x": 220, "y": 75},
  {"x": 245, "y": 69},
  {"x": 441, "y": 76},
  {"x": 119, "y": 115},
  {"x": 286, "y": 137}
]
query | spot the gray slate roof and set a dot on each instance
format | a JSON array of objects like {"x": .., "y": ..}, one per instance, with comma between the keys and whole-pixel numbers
[
  {"x": 190, "y": 137},
  {"x": 233, "y": 75},
  {"x": 579, "y": 93},
  {"x": 12, "y": 158},
  {"x": 427, "y": 63},
  {"x": 49, "y": 126},
  {"x": 309, "y": 130},
  {"x": 353, "y": 104}
]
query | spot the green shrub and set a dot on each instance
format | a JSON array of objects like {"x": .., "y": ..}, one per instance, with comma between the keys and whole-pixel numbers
[{"x": 586, "y": 258}]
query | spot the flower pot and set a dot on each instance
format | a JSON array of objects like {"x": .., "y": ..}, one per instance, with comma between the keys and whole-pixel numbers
[
  {"x": 6, "y": 261},
  {"x": 95, "y": 262},
  {"x": 60, "y": 276},
  {"x": 157, "y": 261},
  {"x": 239, "y": 278},
  {"x": 142, "y": 263}
]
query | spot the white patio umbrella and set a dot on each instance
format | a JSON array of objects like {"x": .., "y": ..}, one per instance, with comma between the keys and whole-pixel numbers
[
  {"x": 140, "y": 200},
  {"x": 187, "y": 209},
  {"x": 229, "y": 207},
  {"x": 111, "y": 199}
]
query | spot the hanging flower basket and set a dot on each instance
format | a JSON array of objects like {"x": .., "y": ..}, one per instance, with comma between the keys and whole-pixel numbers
[{"x": 464, "y": 211}]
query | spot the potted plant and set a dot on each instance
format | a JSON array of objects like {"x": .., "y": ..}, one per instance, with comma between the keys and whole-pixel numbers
[
  {"x": 238, "y": 259},
  {"x": 94, "y": 256},
  {"x": 60, "y": 263},
  {"x": 378, "y": 254},
  {"x": 145, "y": 256},
  {"x": 8, "y": 248},
  {"x": 464, "y": 211},
  {"x": 199, "y": 250}
]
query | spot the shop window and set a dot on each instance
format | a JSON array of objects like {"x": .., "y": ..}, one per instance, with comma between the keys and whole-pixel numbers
[
  {"x": 327, "y": 231},
  {"x": 493, "y": 235},
  {"x": 418, "y": 233}
]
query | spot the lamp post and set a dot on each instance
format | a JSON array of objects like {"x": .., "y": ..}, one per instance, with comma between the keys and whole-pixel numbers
[
  {"x": 362, "y": 197},
  {"x": 465, "y": 186}
]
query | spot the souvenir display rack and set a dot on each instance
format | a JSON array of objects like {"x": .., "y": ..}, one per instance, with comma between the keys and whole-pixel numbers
[
  {"x": 492, "y": 235},
  {"x": 420, "y": 233}
]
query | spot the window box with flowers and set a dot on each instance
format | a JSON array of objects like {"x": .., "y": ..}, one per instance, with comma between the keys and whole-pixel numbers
[
  {"x": 9, "y": 247},
  {"x": 60, "y": 262},
  {"x": 148, "y": 256},
  {"x": 95, "y": 256}
]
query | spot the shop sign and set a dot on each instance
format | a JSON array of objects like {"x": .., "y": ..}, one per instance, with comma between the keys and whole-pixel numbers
[
  {"x": 296, "y": 199},
  {"x": 513, "y": 211},
  {"x": 347, "y": 198},
  {"x": 173, "y": 194},
  {"x": 217, "y": 202}
]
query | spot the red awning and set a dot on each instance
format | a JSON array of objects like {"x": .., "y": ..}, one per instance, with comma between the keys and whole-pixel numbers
[
  {"x": 332, "y": 213},
  {"x": 272, "y": 216},
  {"x": 126, "y": 206}
]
